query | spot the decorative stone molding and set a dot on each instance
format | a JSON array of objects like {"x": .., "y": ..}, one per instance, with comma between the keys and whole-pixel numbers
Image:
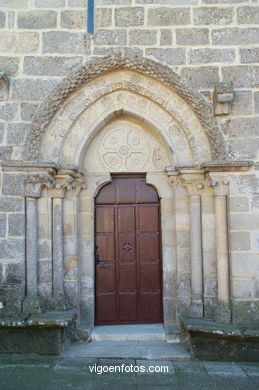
[
  {"x": 223, "y": 96},
  {"x": 219, "y": 183},
  {"x": 4, "y": 86},
  {"x": 34, "y": 184},
  {"x": 143, "y": 66}
]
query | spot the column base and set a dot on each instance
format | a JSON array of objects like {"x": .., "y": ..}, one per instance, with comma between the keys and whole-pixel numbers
[
  {"x": 222, "y": 314},
  {"x": 33, "y": 305},
  {"x": 196, "y": 309},
  {"x": 59, "y": 302}
]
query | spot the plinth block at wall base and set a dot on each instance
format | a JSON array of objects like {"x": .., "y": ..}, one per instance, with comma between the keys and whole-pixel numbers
[
  {"x": 43, "y": 334},
  {"x": 208, "y": 340}
]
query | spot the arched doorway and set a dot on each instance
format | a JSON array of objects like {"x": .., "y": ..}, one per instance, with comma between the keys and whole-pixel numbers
[{"x": 128, "y": 264}]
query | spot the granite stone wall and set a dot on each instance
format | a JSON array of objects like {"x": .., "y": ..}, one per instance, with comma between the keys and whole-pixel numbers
[{"x": 204, "y": 41}]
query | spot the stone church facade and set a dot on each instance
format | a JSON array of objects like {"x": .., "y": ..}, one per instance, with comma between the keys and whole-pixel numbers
[{"x": 164, "y": 89}]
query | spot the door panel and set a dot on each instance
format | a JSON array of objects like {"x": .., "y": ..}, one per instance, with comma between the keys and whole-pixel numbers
[{"x": 128, "y": 255}]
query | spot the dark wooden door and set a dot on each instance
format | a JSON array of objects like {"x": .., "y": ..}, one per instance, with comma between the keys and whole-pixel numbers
[{"x": 127, "y": 253}]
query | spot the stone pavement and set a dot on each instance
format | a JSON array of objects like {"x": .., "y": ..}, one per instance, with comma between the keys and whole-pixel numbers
[{"x": 58, "y": 373}]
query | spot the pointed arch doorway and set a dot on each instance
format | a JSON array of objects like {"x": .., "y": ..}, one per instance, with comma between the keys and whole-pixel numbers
[{"x": 128, "y": 269}]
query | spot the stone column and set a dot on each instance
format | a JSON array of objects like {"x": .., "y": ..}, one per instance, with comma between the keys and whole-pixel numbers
[
  {"x": 33, "y": 186},
  {"x": 220, "y": 185},
  {"x": 63, "y": 182},
  {"x": 193, "y": 181}
]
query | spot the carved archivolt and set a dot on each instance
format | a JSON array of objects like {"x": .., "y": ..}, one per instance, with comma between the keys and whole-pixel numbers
[{"x": 141, "y": 66}]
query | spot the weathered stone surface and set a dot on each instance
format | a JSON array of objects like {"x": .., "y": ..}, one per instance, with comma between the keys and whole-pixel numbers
[
  {"x": 50, "y": 66},
  {"x": 250, "y": 55},
  {"x": 241, "y": 76},
  {"x": 37, "y": 19},
  {"x": 242, "y": 103},
  {"x": 241, "y": 127},
  {"x": 14, "y": 273},
  {"x": 14, "y": 4},
  {"x": 240, "y": 241},
  {"x": 2, "y": 126},
  {"x": 132, "y": 51},
  {"x": 213, "y": 15},
  {"x": 49, "y": 3},
  {"x": 213, "y": 341},
  {"x": 248, "y": 15},
  {"x": 235, "y": 36},
  {"x": 3, "y": 223},
  {"x": 8, "y": 111},
  {"x": 9, "y": 65},
  {"x": 2, "y": 19},
  {"x": 168, "y": 55},
  {"x": 16, "y": 225},
  {"x": 168, "y": 16},
  {"x": 192, "y": 36},
  {"x": 73, "y": 19},
  {"x": 28, "y": 110},
  {"x": 165, "y": 37},
  {"x": 110, "y": 37},
  {"x": 76, "y": 3},
  {"x": 142, "y": 37},
  {"x": 129, "y": 16},
  {"x": 209, "y": 55},
  {"x": 19, "y": 42},
  {"x": 32, "y": 89},
  {"x": 65, "y": 42},
  {"x": 13, "y": 248},
  {"x": 16, "y": 133},
  {"x": 11, "y": 204},
  {"x": 245, "y": 312},
  {"x": 112, "y": 2},
  {"x": 239, "y": 204},
  {"x": 13, "y": 184},
  {"x": 103, "y": 17},
  {"x": 256, "y": 95},
  {"x": 201, "y": 78},
  {"x": 255, "y": 240},
  {"x": 5, "y": 153},
  {"x": 245, "y": 148}
]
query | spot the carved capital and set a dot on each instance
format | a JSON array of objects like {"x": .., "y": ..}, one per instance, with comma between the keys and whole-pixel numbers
[
  {"x": 35, "y": 183},
  {"x": 219, "y": 183},
  {"x": 193, "y": 181},
  {"x": 62, "y": 183},
  {"x": 173, "y": 176},
  {"x": 79, "y": 185}
]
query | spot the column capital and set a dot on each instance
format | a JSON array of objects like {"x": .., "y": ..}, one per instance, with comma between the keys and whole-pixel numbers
[
  {"x": 61, "y": 184},
  {"x": 172, "y": 176},
  {"x": 35, "y": 182},
  {"x": 192, "y": 180},
  {"x": 219, "y": 183}
]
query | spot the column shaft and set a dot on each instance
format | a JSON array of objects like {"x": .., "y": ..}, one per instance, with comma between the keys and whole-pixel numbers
[
  {"x": 222, "y": 249},
  {"x": 57, "y": 246},
  {"x": 196, "y": 257},
  {"x": 31, "y": 247}
]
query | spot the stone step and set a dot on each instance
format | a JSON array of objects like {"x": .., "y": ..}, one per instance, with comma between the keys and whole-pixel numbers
[
  {"x": 145, "y": 332},
  {"x": 152, "y": 350}
]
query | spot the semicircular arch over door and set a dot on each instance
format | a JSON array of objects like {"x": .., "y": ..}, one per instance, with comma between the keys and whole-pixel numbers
[{"x": 127, "y": 252}]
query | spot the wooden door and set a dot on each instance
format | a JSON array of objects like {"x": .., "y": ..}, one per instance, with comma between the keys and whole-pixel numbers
[{"x": 127, "y": 253}]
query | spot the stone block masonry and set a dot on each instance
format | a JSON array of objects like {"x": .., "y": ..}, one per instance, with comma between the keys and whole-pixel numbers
[{"x": 203, "y": 41}]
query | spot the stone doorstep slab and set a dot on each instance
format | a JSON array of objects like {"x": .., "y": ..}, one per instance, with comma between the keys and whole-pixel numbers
[
  {"x": 209, "y": 340},
  {"x": 143, "y": 332},
  {"x": 43, "y": 334},
  {"x": 156, "y": 350}
]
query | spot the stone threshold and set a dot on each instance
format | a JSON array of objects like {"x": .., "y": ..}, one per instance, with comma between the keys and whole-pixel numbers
[{"x": 151, "y": 350}]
